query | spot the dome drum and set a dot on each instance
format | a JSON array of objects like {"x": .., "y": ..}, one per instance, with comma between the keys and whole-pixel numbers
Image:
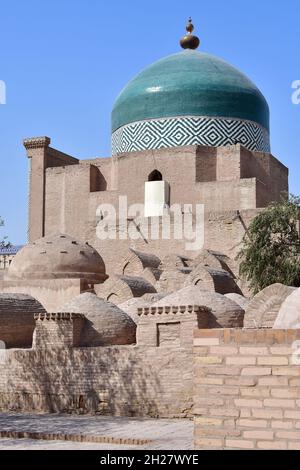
[{"x": 183, "y": 131}]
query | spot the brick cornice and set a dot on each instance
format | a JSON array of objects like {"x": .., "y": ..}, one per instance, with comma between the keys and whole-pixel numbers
[
  {"x": 58, "y": 316},
  {"x": 170, "y": 310},
  {"x": 36, "y": 142}
]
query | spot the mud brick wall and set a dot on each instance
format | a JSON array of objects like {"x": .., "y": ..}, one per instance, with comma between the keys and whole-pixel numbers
[
  {"x": 224, "y": 180},
  {"x": 247, "y": 389},
  {"x": 119, "y": 380},
  {"x": 57, "y": 330}
]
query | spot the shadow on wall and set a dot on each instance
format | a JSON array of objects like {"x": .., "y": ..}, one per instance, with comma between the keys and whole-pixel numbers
[
  {"x": 97, "y": 180},
  {"x": 106, "y": 381},
  {"x": 17, "y": 319}
]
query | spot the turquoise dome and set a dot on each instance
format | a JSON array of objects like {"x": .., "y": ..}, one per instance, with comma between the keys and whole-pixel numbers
[
  {"x": 190, "y": 83},
  {"x": 190, "y": 98}
]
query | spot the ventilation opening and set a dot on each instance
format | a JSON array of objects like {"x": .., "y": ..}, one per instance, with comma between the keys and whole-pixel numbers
[
  {"x": 125, "y": 269},
  {"x": 113, "y": 298}
]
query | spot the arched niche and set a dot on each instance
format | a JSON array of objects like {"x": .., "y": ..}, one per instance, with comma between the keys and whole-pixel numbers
[{"x": 155, "y": 175}]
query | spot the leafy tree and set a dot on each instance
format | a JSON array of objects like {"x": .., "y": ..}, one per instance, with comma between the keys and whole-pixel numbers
[
  {"x": 271, "y": 246},
  {"x": 3, "y": 241}
]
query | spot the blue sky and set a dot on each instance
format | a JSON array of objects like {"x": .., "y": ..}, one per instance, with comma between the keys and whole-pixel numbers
[{"x": 65, "y": 61}]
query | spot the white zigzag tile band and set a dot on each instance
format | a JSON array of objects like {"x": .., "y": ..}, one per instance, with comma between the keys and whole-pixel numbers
[{"x": 177, "y": 132}]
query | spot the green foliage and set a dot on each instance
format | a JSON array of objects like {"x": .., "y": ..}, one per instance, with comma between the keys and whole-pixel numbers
[
  {"x": 3, "y": 242},
  {"x": 271, "y": 247}
]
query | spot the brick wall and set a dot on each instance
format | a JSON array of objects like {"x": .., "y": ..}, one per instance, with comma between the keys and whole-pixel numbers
[
  {"x": 206, "y": 164},
  {"x": 60, "y": 330},
  {"x": 195, "y": 174},
  {"x": 246, "y": 390},
  {"x": 170, "y": 325},
  {"x": 119, "y": 380},
  {"x": 17, "y": 319}
]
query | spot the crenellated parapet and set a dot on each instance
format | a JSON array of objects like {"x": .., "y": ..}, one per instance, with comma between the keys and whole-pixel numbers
[
  {"x": 170, "y": 325},
  {"x": 58, "y": 316},
  {"x": 166, "y": 310},
  {"x": 36, "y": 142},
  {"x": 56, "y": 330}
]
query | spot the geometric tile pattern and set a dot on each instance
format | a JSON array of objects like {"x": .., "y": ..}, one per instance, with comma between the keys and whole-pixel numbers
[{"x": 177, "y": 132}]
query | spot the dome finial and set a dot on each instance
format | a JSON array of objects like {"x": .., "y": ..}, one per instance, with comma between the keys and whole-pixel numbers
[
  {"x": 190, "y": 27},
  {"x": 189, "y": 41}
]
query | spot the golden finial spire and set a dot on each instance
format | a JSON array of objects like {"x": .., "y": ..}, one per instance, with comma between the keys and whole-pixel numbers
[{"x": 189, "y": 41}]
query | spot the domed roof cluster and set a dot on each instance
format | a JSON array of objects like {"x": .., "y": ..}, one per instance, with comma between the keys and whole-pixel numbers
[{"x": 55, "y": 257}]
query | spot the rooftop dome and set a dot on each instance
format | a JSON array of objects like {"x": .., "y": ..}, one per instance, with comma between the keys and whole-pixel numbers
[
  {"x": 289, "y": 314},
  {"x": 242, "y": 301},
  {"x": 264, "y": 308},
  {"x": 57, "y": 256},
  {"x": 17, "y": 319},
  {"x": 224, "y": 312},
  {"x": 190, "y": 98},
  {"x": 105, "y": 325}
]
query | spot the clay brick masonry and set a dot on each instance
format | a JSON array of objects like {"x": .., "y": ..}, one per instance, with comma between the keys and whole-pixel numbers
[{"x": 246, "y": 390}]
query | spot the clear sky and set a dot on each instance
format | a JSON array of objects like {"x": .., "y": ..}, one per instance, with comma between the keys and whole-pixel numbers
[{"x": 65, "y": 61}]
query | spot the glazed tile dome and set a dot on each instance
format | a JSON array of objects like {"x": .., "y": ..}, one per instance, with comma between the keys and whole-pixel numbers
[
  {"x": 190, "y": 98},
  {"x": 105, "y": 323},
  {"x": 57, "y": 257}
]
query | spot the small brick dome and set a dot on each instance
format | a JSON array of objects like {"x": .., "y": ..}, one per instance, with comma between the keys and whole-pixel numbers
[
  {"x": 57, "y": 257},
  {"x": 17, "y": 319},
  {"x": 289, "y": 314},
  {"x": 264, "y": 308},
  {"x": 105, "y": 323},
  {"x": 243, "y": 302},
  {"x": 224, "y": 312}
]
